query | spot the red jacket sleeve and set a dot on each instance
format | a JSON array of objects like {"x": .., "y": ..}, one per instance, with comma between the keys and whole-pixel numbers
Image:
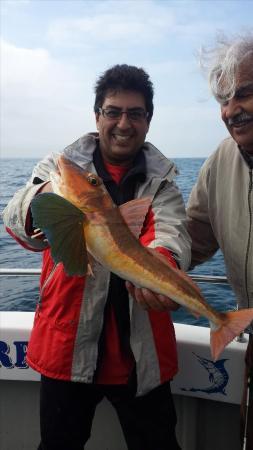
[{"x": 148, "y": 235}]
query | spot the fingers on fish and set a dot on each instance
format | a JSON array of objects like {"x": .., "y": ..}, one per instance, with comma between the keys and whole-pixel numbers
[{"x": 37, "y": 234}]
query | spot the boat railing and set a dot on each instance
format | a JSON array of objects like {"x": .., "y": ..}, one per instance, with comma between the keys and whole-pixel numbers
[
  {"x": 205, "y": 278},
  {"x": 19, "y": 272}
]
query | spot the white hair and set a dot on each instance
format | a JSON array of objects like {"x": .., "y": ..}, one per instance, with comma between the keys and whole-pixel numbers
[{"x": 222, "y": 62}]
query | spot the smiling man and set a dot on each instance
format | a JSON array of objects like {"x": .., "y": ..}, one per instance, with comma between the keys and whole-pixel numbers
[
  {"x": 122, "y": 123},
  {"x": 91, "y": 339},
  {"x": 220, "y": 208}
]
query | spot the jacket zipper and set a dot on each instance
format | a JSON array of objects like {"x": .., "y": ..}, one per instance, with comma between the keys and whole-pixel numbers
[
  {"x": 250, "y": 233},
  {"x": 45, "y": 284}
]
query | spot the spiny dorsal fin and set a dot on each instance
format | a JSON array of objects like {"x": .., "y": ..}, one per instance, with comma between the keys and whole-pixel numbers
[{"x": 134, "y": 213}]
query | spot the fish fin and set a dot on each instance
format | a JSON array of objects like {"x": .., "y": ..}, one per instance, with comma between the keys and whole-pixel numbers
[
  {"x": 233, "y": 323},
  {"x": 62, "y": 224},
  {"x": 91, "y": 264},
  {"x": 134, "y": 213},
  {"x": 194, "y": 313},
  {"x": 190, "y": 281},
  {"x": 90, "y": 271}
]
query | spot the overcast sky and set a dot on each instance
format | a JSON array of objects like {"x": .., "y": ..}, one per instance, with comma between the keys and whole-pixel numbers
[{"x": 52, "y": 51}]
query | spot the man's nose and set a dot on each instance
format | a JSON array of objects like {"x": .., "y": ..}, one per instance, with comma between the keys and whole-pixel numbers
[
  {"x": 230, "y": 109},
  {"x": 124, "y": 121}
]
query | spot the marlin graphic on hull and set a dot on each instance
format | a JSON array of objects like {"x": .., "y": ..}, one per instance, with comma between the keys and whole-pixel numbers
[{"x": 218, "y": 376}]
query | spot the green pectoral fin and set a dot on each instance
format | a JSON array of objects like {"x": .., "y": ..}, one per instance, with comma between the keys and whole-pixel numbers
[{"x": 62, "y": 224}]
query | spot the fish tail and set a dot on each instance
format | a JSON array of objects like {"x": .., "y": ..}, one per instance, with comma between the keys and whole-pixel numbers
[{"x": 233, "y": 323}]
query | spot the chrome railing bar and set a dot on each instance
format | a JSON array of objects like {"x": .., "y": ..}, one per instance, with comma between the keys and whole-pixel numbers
[
  {"x": 19, "y": 272},
  {"x": 215, "y": 279}
]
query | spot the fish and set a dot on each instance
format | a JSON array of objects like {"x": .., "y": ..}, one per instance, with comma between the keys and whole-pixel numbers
[{"x": 81, "y": 222}]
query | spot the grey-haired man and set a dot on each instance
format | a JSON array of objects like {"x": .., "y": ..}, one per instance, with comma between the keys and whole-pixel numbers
[{"x": 220, "y": 208}]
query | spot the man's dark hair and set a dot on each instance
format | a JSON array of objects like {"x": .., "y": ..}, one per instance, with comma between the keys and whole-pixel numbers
[{"x": 125, "y": 78}]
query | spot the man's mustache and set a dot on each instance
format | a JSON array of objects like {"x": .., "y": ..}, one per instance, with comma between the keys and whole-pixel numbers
[{"x": 242, "y": 117}]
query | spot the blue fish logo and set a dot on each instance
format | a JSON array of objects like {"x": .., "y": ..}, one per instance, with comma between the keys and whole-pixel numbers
[{"x": 218, "y": 376}]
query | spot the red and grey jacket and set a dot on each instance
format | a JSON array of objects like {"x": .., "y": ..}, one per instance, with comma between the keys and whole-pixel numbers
[{"x": 69, "y": 318}]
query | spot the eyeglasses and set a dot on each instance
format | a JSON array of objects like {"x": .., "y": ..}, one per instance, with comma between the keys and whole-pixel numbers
[{"x": 133, "y": 114}]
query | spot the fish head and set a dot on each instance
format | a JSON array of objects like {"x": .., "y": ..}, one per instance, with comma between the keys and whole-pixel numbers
[{"x": 83, "y": 189}]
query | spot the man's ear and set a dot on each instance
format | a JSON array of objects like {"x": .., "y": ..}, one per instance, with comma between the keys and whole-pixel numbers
[{"x": 97, "y": 120}]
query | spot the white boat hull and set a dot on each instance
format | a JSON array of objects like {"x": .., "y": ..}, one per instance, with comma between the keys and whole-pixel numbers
[{"x": 207, "y": 396}]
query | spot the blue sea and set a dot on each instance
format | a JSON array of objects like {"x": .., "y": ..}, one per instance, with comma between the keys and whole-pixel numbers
[{"x": 21, "y": 293}]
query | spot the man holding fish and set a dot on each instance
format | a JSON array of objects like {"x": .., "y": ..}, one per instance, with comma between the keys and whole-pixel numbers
[
  {"x": 220, "y": 209},
  {"x": 115, "y": 214}
]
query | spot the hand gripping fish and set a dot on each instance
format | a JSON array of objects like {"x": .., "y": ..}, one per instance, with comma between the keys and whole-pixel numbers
[{"x": 80, "y": 216}]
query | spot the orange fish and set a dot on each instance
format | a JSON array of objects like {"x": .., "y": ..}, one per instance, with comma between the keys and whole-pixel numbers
[{"x": 80, "y": 219}]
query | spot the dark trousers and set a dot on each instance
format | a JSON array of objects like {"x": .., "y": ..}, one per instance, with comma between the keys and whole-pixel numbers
[
  {"x": 247, "y": 409},
  {"x": 67, "y": 410}
]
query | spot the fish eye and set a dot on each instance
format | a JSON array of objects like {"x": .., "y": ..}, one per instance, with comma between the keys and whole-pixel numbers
[{"x": 93, "y": 180}]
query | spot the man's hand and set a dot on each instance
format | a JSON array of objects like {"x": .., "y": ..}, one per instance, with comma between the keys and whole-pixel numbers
[
  {"x": 37, "y": 233},
  {"x": 150, "y": 300},
  {"x": 46, "y": 188}
]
